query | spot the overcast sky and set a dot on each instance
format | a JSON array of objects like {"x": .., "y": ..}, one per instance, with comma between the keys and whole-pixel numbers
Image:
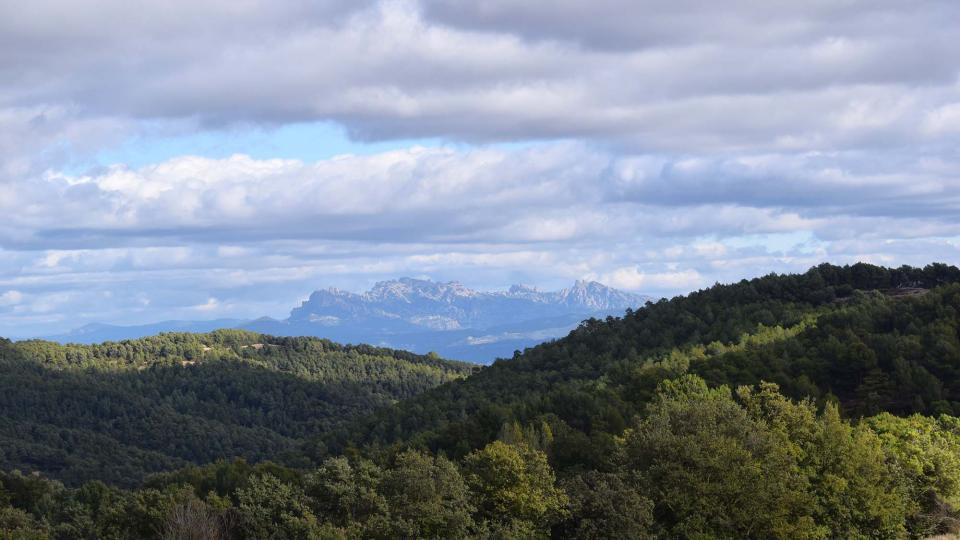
[{"x": 199, "y": 159}]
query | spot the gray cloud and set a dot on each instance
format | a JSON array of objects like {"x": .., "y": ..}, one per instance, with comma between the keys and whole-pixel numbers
[
  {"x": 624, "y": 24},
  {"x": 894, "y": 184},
  {"x": 665, "y": 145},
  {"x": 559, "y": 192},
  {"x": 784, "y": 75}
]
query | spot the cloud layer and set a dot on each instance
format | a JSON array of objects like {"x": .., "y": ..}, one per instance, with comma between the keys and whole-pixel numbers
[
  {"x": 654, "y": 75},
  {"x": 659, "y": 146}
]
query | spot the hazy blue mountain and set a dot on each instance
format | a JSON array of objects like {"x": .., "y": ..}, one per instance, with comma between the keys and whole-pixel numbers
[
  {"x": 98, "y": 332},
  {"x": 449, "y": 318},
  {"x": 416, "y": 315}
]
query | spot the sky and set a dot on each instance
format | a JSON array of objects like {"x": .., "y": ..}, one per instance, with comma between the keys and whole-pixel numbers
[{"x": 223, "y": 158}]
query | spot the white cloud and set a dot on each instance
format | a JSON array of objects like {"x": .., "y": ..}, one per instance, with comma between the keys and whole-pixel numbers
[
  {"x": 942, "y": 120},
  {"x": 212, "y": 304},
  {"x": 710, "y": 249},
  {"x": 557, "y": 192},
  {"x": 11, "y": 298},
  {"x": 631, "y": 278}
]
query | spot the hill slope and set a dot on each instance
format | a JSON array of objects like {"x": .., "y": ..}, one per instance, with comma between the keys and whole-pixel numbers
[
  {"x": 118, "y": 411},
  {"x": 821, "y": 334}
]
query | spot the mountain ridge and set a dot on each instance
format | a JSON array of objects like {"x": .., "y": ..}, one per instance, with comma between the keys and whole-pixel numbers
[
  {"x": 420, "y": 315},
  {"x": 449, "y": 318}
]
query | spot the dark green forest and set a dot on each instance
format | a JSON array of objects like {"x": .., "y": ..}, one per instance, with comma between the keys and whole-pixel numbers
[
  {"x": 869, "y": 338},
  {"x": 817, "y": 405},
  {"x": 117, "y": 412}
]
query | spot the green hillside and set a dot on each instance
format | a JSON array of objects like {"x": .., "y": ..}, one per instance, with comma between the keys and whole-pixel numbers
[
  {"x": 872, "y": 338},
  {"x": 118, "y": 411}
]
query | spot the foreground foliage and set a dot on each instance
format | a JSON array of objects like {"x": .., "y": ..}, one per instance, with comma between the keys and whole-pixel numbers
[{"x": 701, "y": 463}]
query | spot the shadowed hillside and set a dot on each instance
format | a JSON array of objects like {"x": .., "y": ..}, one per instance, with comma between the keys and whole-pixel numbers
[{"x": 118, "y": 411}]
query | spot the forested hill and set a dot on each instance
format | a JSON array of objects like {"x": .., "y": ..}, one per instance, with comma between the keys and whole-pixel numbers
[
  {"x": 118, "y": 411},
  {"x": 754, "y": 410},
  {"x": 871, "y": 337}
]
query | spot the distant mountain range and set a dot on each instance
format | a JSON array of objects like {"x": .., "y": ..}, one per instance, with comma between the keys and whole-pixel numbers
[
  {"x": 417, "y": 315},
  {"x": 100, "y": 332}
]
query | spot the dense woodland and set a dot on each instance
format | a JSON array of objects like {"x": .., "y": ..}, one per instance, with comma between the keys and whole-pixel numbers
[
  {"x": 119, "y": 411},
  {"x": 846, "y": 334},
  {"x": 819, "y": 405}
]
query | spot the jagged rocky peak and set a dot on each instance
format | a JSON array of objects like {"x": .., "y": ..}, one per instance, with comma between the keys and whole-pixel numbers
[
  {"x": 583, "y": 294},
  {"x": 594, "y": 295},
  {"x": 397, "y": 289},
  {"x": 331, "y": 294},
  {"x": 410, "y": 289},
  {"x": 333, "y": 291},
  {"x": 325, "y": 300},
  {"x": 526, "y": 292},
  {"x": 422, "y": 303}
]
